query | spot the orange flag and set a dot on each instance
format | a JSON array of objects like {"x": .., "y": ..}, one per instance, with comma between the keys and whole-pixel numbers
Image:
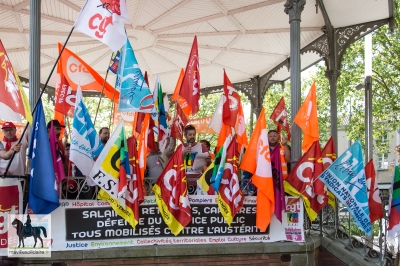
[
  {"x": 307, "y": 118},
  {"x": 77, "y": 71},
  {"x": 222, "y": 135},
  {"x": 257, "y": 160},
  {"x": 241, "y": 129},
  {"x": 178, "y": 85}
]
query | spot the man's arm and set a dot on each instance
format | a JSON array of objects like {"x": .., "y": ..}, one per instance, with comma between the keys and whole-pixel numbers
[
  {"x": 286, "y": 149},
  {"x": 6, "y": 155},
  {"x": 170, "y": 148}
]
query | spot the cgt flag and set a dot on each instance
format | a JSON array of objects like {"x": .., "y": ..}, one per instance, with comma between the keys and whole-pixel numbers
[
  {"x": 302, "y": 180},
  {"x": 328, "y": 155},
  {"x": 11, "y": 90},
  {"x": 280, "y": 117},
  {"x": 230, "y": 197},
  {"x": 104, "y": 20},
  {"x": 43, "y": 195},
  {"x": 345, "y": 178},
  {"x": 135, "y": 95},
  {"x": 172, "y": 194},
  {"x": 231, "y": 104},
  {"x": 374, "y": 200},
  {"x": 190, "y": 89},
  {"x": 179, "y": 123},
  {"x": 257, "y": 160}
]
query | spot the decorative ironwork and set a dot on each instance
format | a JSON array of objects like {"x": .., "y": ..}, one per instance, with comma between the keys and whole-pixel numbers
[{"x": 294, "y": 8}]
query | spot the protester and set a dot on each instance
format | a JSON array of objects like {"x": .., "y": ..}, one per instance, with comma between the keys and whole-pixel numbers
[
  {"x": 156, "y": 161},
  {"x": 195, "y": 155},
  {"x": 8, "y": 146},
  {"x": 273, "y": 139},
  {"x": 212, "y": 155},
  {"x": 104, "y": 135}
]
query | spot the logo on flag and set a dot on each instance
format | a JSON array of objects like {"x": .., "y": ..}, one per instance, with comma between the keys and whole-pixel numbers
[
  {"x": 135, "y": 95},
  {"x": 104, "y": 20},
  {"x": 345, "y": 178}
]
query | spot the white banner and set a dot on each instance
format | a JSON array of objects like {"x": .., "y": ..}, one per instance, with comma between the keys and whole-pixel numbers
[{"x": 81, "y": 224}]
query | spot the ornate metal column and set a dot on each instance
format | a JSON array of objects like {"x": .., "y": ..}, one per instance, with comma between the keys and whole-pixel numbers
[
  {"x": 294, "y": 8},
  {"x": 34, "y": 52}
]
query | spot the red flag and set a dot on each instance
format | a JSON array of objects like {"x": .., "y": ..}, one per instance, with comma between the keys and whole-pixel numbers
[
  {"x": 328, "y": 155},
  {"x": 172, "y": 194},
  {"x": 11, "y": 91},
  {"x": 302, "y": 181},
  {"x": 139, "y": 122},
  {"x": 231, "y": 104},
  {"x": 374, "y": 200},
  {"x": 230, "y": 197},
  {"x": 190, "y": 89},
  {"x": 151, "y": 143},
  {"x": 134, "y": 193},
  {"x": 143, "y": 147},
  {"x": 307, "y": 118},
  {"x": 257, "y": 160},
  {"x": 146, "y": 78},
  {"x": 280, "y": 117},
  {"x": 179, "y": 123}
]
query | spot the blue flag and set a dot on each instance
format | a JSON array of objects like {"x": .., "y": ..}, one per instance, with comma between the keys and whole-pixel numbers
[
  {"x": 43, "y": 195},
  {"x": 135, "y": 95},
  {"x": 85, "y": 143},
  {"x": 345, "y": 178}
]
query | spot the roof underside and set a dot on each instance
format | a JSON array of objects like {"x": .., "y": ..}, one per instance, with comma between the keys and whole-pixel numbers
[{"x": 247, "y": 37}]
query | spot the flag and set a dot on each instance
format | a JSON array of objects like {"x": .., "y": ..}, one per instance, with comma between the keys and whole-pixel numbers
[
  {"x": 345, "y": 178},
  {"x": 172, "y": 194},
  {"x": 257, "y": 160},
  {"x": 80, "y": 74},
  {"x": 175, "y": 96},
  {"x": 302, "y": 181},
  {"x": 43, "y": 195},
  {"x": 104, "y": 20},
  {"x": 205, "y": 181},
  {"x": 277, "y": 175},
  {"x": 111, "y": 172},
  {"x": 162, "y": 118},
  {"x": 134, "y": 195},
  {"x": 179, "y": 123},
  {"x": 64, "y": 95},
  {"x": 216, "y": 120},
  {"x": 114, "y": 61},
  {"x": 222, "y": 136},
  {"x": 135, "y": 95},
  {"x": 307, "y": 118},
  {"x": 143, "y": 146},
  {"x": 231, "y": 103},
  {"x": 280, "y": 117},
  {"x": 394, "y": 203},
  {"x": 230, "y": 197},
  {"x": 85, "y": 143},
  {"x": 56, "y": 157},
  {"x": 220, "y": 166},
  {"x": 328, "y": 155},
  {"x": 11, "y": 91},
  {"x": 374, "y": 200},
  {"x": 190, "y": 89},
  {"x": 241, "y": 129}
]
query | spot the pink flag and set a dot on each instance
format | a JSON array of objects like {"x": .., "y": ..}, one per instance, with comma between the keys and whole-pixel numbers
[
  {"x": 56, "y": 156},
  {"x": 104, "y": 20},
  {"x": 277, "y": 175}
]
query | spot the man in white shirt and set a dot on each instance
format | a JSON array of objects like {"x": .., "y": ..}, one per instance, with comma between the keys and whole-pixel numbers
[{"x": 8, "y": 145}]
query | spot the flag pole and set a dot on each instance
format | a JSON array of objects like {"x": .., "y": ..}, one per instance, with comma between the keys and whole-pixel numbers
[
  {"x": 40, "y": 97},
  {"x": 112, "y": 110},
  {"x": 101, "y": 96}
]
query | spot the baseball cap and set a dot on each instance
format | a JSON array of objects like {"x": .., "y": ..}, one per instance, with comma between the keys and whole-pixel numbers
[
  {"x": 8, "y": 125},
  {"x": 55, "y": 123}
]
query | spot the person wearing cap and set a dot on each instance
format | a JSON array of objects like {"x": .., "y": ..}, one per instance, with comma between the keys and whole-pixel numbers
[{"x": 8, "y": 146}]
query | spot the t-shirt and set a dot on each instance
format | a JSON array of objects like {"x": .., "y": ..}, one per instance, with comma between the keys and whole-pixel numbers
[
  {"x": 18, "y": 165},
  {"x": 200, "y": 153}
]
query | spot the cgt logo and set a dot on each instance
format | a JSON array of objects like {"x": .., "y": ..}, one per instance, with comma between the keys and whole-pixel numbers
[
  {"x": 292, "y": 205},
  {"x": 77, "y": 72}
]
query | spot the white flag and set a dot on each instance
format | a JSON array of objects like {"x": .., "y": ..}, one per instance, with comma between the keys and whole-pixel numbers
[
  {"x": 216, "y": 120},
  {"x": 104, "y": 20}
]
